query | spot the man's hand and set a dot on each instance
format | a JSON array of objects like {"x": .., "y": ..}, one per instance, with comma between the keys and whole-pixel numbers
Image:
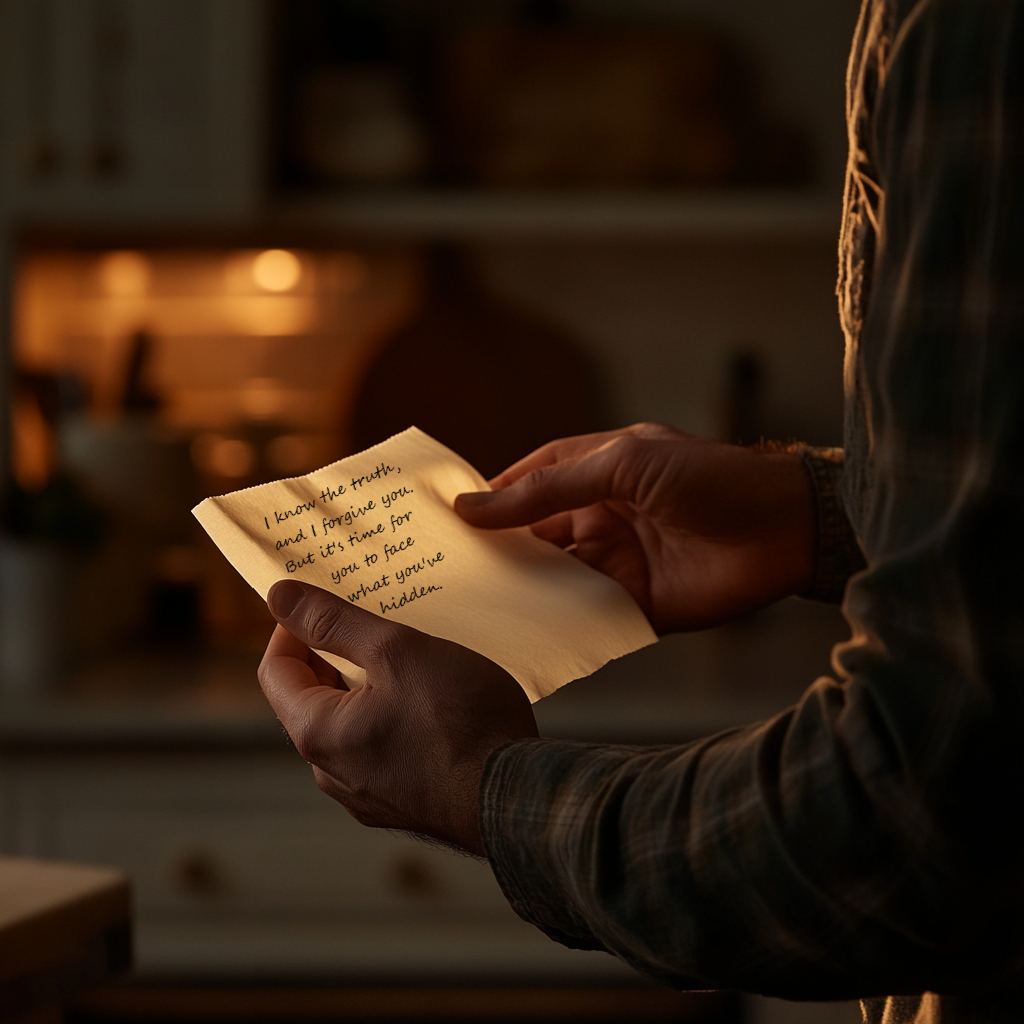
[
  {"x": 697, "y": 531},
  {"x": 407, "y": 750}
]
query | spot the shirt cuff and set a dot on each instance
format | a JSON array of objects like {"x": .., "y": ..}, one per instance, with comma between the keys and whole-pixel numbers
[
  {"x": 514, "y": 824},
  {"x": 839, "y": 555}
]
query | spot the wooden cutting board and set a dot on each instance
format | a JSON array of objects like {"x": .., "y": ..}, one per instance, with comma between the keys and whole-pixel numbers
[{"x": 62, "y": 927}]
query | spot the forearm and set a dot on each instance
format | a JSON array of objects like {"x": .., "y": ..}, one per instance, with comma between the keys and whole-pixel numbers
[
  {"x": 867, "y": 841},
  {"x": 843, "y": 849}
]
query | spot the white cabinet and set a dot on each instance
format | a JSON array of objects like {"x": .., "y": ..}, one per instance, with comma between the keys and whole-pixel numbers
[
  {"x": 241, "y": 868},
  {"x": 130, "y": 110}
]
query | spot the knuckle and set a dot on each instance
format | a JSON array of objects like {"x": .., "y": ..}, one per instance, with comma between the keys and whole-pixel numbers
[
  {"x": 652, "y": 431},
  {"x": 537, "y": 485},
  {"x": 263, "y": 674},
  {"x": 393, "y": 649},
  {"x": 309, "y": 740},
  {"x": 386, "y": 649},
  {"x": 325, "y": 783},
  {"x": 307, "y": 746},
  {"x": 302, "y": 747},
  {"x": 627, "y": 449},
  {"x": 381, "y": 650},
  {"x": 534, "y": 480},
  {"x": 627, "y": 460},
  {"x": 365, "y": 817},
  {"x": 323, "y": 624}
]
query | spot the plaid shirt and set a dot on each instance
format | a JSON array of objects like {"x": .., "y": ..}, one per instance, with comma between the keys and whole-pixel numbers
[{"x": 867, "y": 841}]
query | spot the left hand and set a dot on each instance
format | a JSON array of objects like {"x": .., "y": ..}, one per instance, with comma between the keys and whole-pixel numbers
[
  {"x": 699, "y": 532},
  {"x": 407, "y": 750}
]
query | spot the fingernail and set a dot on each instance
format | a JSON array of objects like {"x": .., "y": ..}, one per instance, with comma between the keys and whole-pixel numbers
[
  {"x": 475, "y": 497},
  {"x": 284, "y": 598}
]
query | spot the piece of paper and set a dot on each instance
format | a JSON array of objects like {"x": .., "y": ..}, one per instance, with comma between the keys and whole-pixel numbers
[{"x": 378, "y": 529}]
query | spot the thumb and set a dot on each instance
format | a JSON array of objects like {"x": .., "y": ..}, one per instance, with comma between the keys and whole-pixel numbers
[{"x": 326, "y": 622}]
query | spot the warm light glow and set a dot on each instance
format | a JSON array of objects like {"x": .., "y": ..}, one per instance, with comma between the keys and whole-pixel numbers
[
  {"x": 223, "y": 456},
  {"x": 33, "y": 453},
  {"x": 231, "y": 457},
  {"x": 276, "y": 270},
  {"x": 125, "y": 274},
  {"x": 218, "y": 332}
]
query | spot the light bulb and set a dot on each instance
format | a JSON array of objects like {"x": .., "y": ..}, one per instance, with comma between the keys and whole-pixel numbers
[{"x": 276, "y": 270}]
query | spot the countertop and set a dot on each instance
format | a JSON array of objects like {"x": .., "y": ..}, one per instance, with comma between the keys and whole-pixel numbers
[
  {"x": 62, "y": 926},
  {"x": 684, "y": 687}
]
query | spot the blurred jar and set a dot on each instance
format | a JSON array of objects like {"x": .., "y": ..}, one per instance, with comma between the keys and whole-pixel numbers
[{"x": 141, "y": 475}]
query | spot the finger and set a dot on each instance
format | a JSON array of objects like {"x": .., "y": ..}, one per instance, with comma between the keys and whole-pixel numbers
[
  {"x": 326, "y": 674},
  {"x": 326, "y": 622},
  {"x": 609, "y": 472},
  {"x": 291, "y": 683},
  {"x": 282, "y": 643},
  {"x": 551, "y": 453},
  {"x": 558, "y": 529},
  {"x": 576, "y": 447}
]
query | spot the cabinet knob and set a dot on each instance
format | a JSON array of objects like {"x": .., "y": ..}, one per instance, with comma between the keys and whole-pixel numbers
[
  {"x": 197, "y": 873},
  {"x": 411, "y": 875}
]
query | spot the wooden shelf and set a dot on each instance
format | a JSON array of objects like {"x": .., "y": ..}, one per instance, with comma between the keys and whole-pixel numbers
[
  {"x": 724, "y": 215},
  {"x": 472, "y": 215}
]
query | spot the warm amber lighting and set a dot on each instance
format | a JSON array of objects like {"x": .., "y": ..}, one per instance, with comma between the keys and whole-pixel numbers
[
  {"x": 261, "y": 398},
  {"x": 125, "y": 274},
  {"x": 33, "y": 453},
  {"x": 349, "y": 272},
  {"x": 233, "y": 457},
  {"x": 289, "y": 453},
  {"x": 219, "y": 337},
  {"x": 276, "y": 270},
  {"x": 223, "y": 456}
]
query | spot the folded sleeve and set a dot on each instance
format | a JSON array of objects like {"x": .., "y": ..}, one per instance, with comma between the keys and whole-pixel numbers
[{"x": 870, "y": 840}]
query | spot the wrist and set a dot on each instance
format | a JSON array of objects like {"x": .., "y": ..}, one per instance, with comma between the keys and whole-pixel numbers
[
  {"x": 463, "y": 826},
  {"x": 796, "y": 520}
]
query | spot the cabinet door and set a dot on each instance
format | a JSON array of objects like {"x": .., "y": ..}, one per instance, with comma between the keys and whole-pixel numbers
[
  {"x": 145, "y": 110},
  {"x": 240, "y": 866}
]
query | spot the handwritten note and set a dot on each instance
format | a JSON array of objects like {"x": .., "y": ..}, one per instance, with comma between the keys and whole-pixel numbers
[{"x": 378, "y": 529}]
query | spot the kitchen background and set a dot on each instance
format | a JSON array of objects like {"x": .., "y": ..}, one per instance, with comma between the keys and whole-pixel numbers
[{"x": 232, "y": 232}]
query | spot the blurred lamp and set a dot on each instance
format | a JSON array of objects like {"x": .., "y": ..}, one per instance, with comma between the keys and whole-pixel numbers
[{"x": 276, "y": 270}]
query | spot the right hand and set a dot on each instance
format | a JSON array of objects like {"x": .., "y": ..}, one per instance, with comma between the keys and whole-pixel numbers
[{"x": 697, "y": 531}]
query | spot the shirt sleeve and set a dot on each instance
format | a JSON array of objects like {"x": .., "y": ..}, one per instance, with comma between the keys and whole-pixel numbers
[
  {"x": 869, "y": 840},
  {"x": 839, "y": 555}
]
